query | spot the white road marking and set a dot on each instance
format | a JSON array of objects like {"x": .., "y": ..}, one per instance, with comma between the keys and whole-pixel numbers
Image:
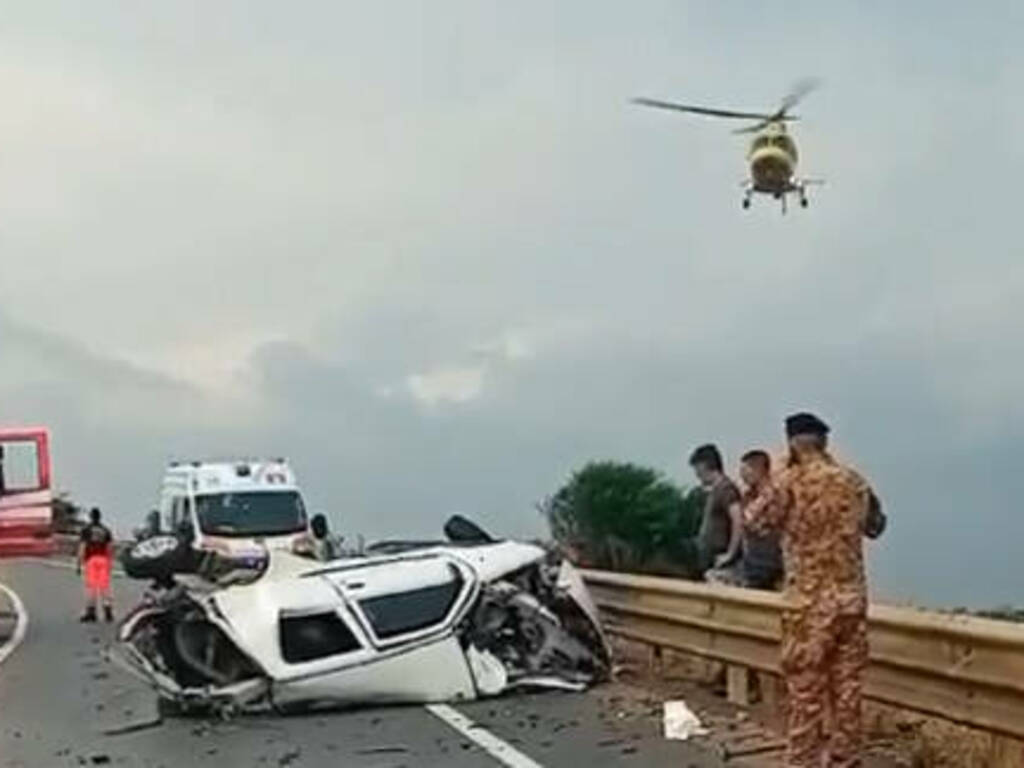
[
  {"x": 20, "y": 628},
  {"x": 487, "y": 741}
]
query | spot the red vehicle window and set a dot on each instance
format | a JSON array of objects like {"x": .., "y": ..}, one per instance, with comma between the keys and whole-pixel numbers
[{"x": 24, "y": 461}]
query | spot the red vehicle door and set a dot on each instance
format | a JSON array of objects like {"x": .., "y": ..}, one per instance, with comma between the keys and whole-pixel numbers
[{"x": 26, "y": 496}]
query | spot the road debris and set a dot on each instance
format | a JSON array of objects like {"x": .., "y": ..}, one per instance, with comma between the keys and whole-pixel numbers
[
  {"x": 135, "y": 726},
  {"x": 395, "y": 750},
  {"x": 728, "y": 752},
  {"x": 680, "y": 722}
]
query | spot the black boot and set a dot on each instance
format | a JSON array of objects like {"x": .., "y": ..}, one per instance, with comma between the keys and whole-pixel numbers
[
  {"x": 108, "y": 613},
  {"x": 89, "y": 615}
]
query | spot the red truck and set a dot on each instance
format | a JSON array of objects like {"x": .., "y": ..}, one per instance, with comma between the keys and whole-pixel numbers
[{"x": 26, "y": 494}]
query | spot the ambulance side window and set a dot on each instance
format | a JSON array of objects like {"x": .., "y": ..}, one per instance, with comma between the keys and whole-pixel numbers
[{"x": 179, "y": 512}]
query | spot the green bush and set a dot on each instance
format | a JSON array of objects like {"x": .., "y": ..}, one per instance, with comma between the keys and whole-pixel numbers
[{"x": 625, "y": 517}]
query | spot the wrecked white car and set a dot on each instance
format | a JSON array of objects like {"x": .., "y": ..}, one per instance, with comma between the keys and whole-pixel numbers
[{"x": 412, "y": 622}]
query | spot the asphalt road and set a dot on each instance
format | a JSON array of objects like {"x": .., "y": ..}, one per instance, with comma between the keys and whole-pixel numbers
[{"x": 59, "y": 695}]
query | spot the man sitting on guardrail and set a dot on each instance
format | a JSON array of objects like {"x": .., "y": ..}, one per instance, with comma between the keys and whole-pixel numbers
[{"x": 823, "y": 510}]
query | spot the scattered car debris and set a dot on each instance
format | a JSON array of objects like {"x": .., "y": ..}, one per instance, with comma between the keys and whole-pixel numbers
[
  {"x": 133, "y": 727},
  {"x": 397, "y": 750},
  {"x": 410, "y": 622},
  {"x": 680, "y": 722},
  {"x": 728, "y": 751}
]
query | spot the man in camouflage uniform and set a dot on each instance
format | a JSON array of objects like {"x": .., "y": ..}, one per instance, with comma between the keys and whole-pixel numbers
[{"x": 822, "y": 510}]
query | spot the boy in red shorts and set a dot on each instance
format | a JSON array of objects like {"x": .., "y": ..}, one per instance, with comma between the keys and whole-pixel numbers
[{"x": 96, "y": 556}]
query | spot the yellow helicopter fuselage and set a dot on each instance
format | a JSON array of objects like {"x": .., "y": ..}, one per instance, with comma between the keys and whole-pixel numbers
[{"x": 772, "y": 158}]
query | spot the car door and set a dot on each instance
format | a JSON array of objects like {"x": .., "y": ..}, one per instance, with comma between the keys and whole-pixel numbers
[
  {"x": 405, "y": 609},
  {"x": 407, "y": 599}
]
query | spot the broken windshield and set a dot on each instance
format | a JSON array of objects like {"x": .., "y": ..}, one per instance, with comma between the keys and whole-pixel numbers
[{"x": 251, "y": 514}]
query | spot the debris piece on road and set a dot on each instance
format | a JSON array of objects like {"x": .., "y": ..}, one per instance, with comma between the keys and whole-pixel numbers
[
  {"x": 135, "y": 726},
  {"x": 680, "y": 722},
  {"x": 728, "y": 753},
  {"x": 395, "y": 750},
  {"x": 100, "y": 759}
]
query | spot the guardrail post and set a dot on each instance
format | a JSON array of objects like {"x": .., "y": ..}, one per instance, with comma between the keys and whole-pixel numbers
[
  {"x": 1007, "y": 752},
  {"x": 737, "y": 685},
  {"x": 773, "y": 690},
  {"x": 654, "y": 660}
]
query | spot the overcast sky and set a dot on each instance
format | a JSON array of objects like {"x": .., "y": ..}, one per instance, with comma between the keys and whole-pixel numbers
[{"x": 430, "y": 253}]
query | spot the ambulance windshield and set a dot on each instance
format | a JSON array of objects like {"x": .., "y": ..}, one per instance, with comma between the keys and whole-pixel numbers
[{"x": 263, "y": 513}]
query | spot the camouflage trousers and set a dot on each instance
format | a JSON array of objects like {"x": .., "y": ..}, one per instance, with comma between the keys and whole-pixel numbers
[{"x": 823, "y": 661}]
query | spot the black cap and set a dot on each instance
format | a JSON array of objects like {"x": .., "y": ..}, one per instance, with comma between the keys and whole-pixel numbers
[{"x": 805, "y": 424}]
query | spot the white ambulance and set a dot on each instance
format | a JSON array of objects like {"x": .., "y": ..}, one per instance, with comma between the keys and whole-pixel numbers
[{"x": 236, "y": 508}]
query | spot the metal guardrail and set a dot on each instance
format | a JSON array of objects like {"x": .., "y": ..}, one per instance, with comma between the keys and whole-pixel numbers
[{"x": 960, "y": 668}]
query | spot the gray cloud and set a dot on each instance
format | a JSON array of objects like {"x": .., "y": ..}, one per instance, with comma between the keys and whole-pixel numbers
[{"x": 438, "y": 261}]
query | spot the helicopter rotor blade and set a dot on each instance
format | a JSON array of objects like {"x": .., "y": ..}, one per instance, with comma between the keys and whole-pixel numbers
[
  {"x": 701, "y": 110},
  {"x": 798, "y": 92},
  {"x": 777, "y": 118}
]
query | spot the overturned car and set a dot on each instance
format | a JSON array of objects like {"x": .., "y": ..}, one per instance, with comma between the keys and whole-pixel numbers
[{"x": 405, "y": 623}]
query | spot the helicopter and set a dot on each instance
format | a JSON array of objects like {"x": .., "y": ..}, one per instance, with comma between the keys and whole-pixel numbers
[{"x": 772, "y": 155}]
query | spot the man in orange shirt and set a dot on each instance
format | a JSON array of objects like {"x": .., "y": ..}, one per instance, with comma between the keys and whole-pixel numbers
[{"x": 96, "y": 556}]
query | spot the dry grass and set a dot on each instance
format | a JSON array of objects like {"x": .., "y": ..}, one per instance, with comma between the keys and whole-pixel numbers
[{"x": 930, "y": 742}]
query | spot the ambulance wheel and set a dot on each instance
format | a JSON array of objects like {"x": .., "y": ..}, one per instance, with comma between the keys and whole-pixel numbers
[
  {"x": 803, "y": 202},
  {"x": 746, "y": 204}
]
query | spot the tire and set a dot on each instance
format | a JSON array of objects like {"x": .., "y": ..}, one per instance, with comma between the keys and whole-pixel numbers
[
  {"x": 153, "y": 548},
  {"x": 158, "y": 557}
]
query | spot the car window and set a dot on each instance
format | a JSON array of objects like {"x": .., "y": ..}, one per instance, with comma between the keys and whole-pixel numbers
[
  {"x": 314, "y": 636},
  {"x": 251, "y": 513},
  {"x": 403, "y": 612}
]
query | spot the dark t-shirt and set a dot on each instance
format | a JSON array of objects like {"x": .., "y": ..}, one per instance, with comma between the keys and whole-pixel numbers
[
  {"x": 97, "y": 539},
  {"x": 716, "y": 525}
]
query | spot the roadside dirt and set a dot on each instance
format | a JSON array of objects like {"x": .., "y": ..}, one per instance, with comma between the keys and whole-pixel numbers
[{"x": 754, "y": 735}]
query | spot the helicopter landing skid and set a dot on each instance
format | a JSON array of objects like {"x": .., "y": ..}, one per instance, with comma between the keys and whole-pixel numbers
[{"x": 797, "y": 186}]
